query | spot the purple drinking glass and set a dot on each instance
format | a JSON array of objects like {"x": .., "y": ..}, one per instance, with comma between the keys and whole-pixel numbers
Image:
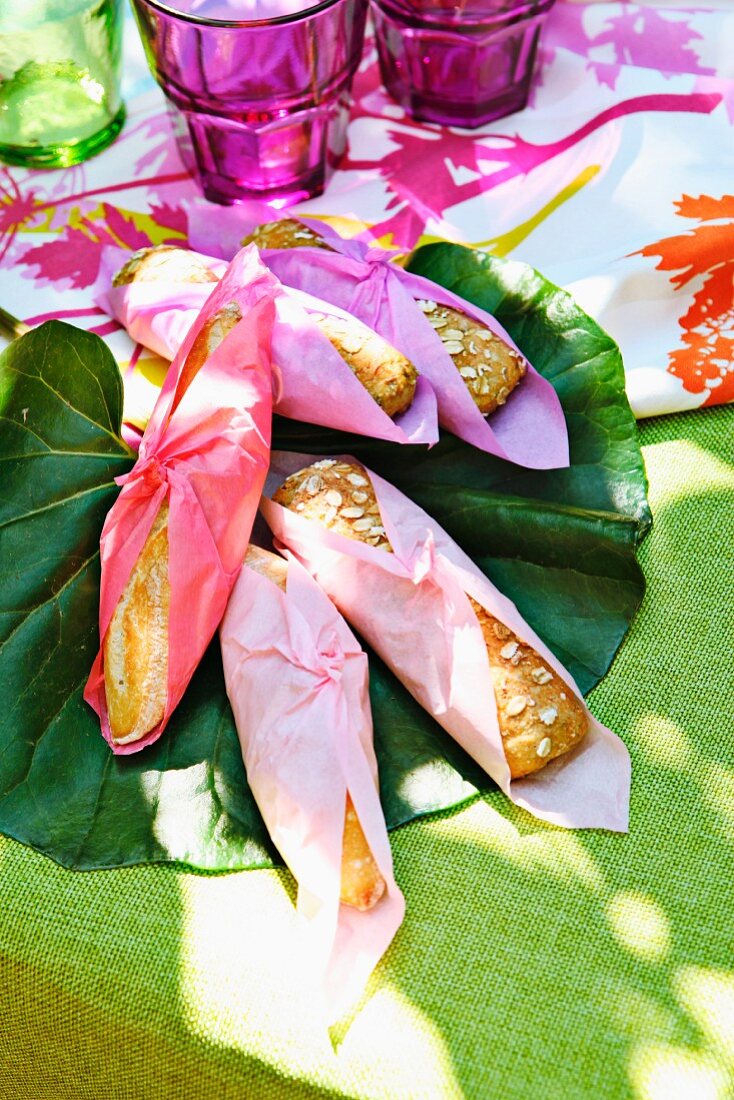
[
  {"x": 259, "y": 105},
  {"x": 460, "y": 64}
]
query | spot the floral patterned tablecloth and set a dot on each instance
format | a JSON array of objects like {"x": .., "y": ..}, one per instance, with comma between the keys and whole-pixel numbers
[{"x": 616, "y": 182}]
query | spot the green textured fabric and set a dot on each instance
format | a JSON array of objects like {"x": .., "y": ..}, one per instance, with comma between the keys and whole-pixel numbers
[{"x": 533, "y": 962}]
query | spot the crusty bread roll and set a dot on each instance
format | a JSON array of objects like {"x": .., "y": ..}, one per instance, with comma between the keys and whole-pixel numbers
[
  {"x": 490, "y": 368},
  {"x": 136, "y": 642},
  {"x": 539, "y": 715},
  {"x": 389, "y": 378},
  {"x": 386, "y": 374},
  {"x": 161, "y": 263},
  {"x": 285, "y": 233},
  {"x": 362, "y": 885},
  {"x": 135, "y": 647}
]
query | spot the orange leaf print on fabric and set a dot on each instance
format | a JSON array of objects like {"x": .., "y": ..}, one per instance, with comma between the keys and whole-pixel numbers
[{"x": 705, "y": 363}]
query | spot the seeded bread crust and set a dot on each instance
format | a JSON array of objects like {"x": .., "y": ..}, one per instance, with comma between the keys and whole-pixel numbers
[
  {"x": 362, "y": 885},
  {"x": 285, "y": 233},
  {"x": 539, "y": 715},
  {"x": 161, "y": 263},
  {"x": 489, "y": 367},
  {"x": 136, "y": 643},
  {"x": 389, "y": 378},
  {"x": 339, "y": 496}
]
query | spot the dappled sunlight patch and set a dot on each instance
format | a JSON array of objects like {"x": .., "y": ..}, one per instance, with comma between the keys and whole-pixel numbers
[
  {"x": 394, "y": 1049},
  {"x": 718, "y": 792},
  {"x": 708, "y": 998},
  {"x": 243, "y": 975},
  {"x": 166, "y": 791},
  {"x": 565, "y": 857},
  {"x": 479, "y": 823},
  {"x": 638, "y": 1015},
  {"x": 417, "y": 785},
  {"x": 244, "y": 984},
  {"x": 639, "y": 924},
  {"x": 663, "y": 742},
  {"x": 544, "y": 852},
  {"x": 679, "y": 468},
  {"x": 671, "y": 1073}
]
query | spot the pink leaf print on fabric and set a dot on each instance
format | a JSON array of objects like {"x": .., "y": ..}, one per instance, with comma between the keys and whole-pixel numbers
[
  {"x": 161, "y": 154},
  {"x": 643, "y": 37},
  {"x": 16, "y": 209},
  {"x": 425, "y": 183},
  {"x": 173, "y": 218},
  {"x": 71, "y": 259},
  {"x": 122, "y": 227}
]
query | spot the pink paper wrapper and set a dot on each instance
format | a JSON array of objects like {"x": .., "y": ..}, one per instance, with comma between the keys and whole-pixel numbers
[
  {"x": 529, "y": 430},
  {"x": 297, "y": 681},
  {"x": 412, "y": 607},
  {"x": 206, "y": 450},
  {"x": 315, "y": 384}
]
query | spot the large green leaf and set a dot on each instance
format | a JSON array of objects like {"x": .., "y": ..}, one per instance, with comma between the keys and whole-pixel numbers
[
  {"x": 61, "y": 789},
  {"x": 562, "y": 544}
]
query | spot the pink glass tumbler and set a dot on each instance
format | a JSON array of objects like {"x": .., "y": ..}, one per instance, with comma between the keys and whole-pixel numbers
[
  {"x": 258, "y": 90},
  {"x": 459, "y": 64}
]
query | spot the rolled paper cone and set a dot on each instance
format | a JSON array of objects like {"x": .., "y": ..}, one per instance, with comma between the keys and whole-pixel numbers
[
  {"x": 297, "y": 681},
  {"x": 413, "y": 607},
  {"x": 205, "y": 453},
  {"x": 313, "y": 382}
]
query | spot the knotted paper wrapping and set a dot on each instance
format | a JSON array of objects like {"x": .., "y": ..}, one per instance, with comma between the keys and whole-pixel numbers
[
  {"x": 206, "y": 451},
  {"x": 412, "y": 607},
  {"x": 297, "y": 681},
  {"x": 315, "y": 384},
  {"x": 529, "y": 430}
]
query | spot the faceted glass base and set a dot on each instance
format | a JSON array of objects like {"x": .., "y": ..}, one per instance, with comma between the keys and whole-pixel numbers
[
  {"x": 461, "y": 73},
  {"x": 62, "y": 154}
]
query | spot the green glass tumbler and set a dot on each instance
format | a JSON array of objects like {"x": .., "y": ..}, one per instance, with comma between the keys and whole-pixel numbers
[{"x": 59, "y": 80}]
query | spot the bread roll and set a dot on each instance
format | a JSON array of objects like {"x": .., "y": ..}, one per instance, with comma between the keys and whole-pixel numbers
[
  {"x": 539, "y": 715},
  {"x": 490, "y": 368},
  {"x": 164, "y": 263},
  {"x": 389, "y": 378},
  {"x": 362, "y": 885},
  {"x": 136, "y": 642},
  {"x": 135, "y": 647},
  {"x": 285, "y": 233}
]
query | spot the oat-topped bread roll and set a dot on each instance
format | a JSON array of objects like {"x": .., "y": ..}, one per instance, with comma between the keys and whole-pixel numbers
[
  {"x": 164, "y": 263},
  {"x": 539, "y": 715},
  {"x": 285, "y": 233},
  {"x": 389, "y": 378},
  {"x": 490, "y": 368},
  {"x": 362, "y": 885},
  {"x": 136, "y": 642}
]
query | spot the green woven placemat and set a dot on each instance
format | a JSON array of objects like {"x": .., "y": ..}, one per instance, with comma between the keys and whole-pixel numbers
[{"x": 533, "y": 962}]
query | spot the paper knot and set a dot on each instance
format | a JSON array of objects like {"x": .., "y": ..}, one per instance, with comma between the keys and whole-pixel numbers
[
  {"x": 373, "y": 284},
  {"x": 331, "y": 658},
  {"x": 150, "y": 472}
]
